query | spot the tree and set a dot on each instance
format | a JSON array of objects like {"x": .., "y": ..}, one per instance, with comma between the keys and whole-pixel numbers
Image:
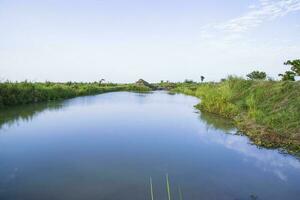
[
  {"x": 202, "y": 78},
  {"x": 295, "y": 70},
  {"x": 257, "y": 75},
  {"x": 288, "y": 76},
  {"x": 295, "y": 66},
  {"x": 101, "y": 81}
]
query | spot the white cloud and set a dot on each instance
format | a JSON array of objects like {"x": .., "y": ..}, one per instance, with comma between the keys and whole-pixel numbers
[
  {"x": 256, "y": 15},
  {"x": 268, "y": 10}
]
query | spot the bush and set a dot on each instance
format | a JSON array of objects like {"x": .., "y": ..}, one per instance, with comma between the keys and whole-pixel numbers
[{"x": 257, "y": 75}]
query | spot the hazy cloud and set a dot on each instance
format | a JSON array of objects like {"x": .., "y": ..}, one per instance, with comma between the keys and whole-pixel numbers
[{"x": 267, "y": 10}]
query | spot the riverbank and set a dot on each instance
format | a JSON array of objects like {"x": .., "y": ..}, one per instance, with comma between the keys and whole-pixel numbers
[
  {"x": 266, "y": 111},
  {"x": 14, "y": 93}
]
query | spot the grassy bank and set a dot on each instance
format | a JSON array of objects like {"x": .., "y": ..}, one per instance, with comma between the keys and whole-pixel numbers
[
  {"x": 267, "y": 111},
  {"x": 12, "y": 93}
]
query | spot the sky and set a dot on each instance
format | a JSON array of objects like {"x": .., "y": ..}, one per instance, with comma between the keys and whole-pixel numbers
[{"x": 124, "y": 40}]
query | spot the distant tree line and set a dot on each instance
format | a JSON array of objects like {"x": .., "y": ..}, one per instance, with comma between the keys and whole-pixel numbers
[{"x": 260, "y": 75}]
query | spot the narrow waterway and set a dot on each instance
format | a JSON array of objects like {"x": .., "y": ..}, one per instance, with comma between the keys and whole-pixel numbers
[{"x": 108, "y": 146}]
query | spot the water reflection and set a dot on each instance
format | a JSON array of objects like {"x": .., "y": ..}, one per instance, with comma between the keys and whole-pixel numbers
[
  {"x": 266, "y": 159},
  {"x": 216, "y": 122},
  {"x": 107, "y": 146},
  {"x": 13, "y": 115}
]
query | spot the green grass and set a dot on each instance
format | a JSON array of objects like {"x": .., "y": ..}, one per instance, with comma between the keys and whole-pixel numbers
[
  {"x": 267, "y": 111},
  {"x": 151, "y": 189},
  {"x": 13, "y": 93},
  {"x": 168, "y": 187}
]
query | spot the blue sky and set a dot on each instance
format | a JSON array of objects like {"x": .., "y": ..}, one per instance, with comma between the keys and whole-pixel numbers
[{"x": 121, "y": 41}]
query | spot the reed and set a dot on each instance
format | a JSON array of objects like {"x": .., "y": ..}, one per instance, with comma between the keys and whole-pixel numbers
[
  {"x": 168, "y": 187},
  {"x": 151, "y": 189}
]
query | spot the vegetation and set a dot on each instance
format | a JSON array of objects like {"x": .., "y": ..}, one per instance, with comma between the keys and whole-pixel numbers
[
  {"x": 168, "y": 189},
  {"x": 257, "y": 75},
  {"x": 295, "y": 70},
  {"x": 165, "y": 85},
  {"x": 267, "y": 111},
  {"x": 188, "y": 81},
  {"x": 202, "y": 78},
  {"x": 18, "y": 93},
  {"x": 151, "y": 189},
  {"x": 288, "y": 76}
]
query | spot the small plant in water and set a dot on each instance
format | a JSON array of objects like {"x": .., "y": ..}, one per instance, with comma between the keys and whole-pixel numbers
[
  {"x": 168, "y": 187},
  {"x": 151, "y": 189}
]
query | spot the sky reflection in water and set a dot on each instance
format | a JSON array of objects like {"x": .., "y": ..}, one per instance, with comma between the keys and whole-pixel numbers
[{"x": 107, "y": 146}]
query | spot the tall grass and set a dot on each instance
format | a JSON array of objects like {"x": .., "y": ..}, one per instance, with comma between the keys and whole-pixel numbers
[
  {"x": 267, "y": 111},
  {"x": 151, "y": 189},
  {"x": 18, "y": 93},
  {"x": 168, "y": 187}
]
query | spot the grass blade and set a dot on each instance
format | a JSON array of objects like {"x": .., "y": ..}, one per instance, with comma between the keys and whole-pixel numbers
[
  {"x": 151, "y": 189},
  {"x": 168, "y": 187}
]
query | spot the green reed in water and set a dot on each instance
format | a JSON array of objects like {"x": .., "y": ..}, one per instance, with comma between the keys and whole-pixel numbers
[
  {"x": 151, "y": 189},
  {"x": 168, "y": 187}
]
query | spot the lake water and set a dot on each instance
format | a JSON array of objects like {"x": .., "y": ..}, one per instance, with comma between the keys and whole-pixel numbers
[{"x": 106, "y": 147}]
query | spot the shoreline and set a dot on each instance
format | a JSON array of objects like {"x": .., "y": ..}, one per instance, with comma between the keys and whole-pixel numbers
[{"x": 266, "y": 112}]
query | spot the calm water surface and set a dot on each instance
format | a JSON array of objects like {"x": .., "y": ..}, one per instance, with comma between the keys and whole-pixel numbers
[{"x": 106, "y": 147}]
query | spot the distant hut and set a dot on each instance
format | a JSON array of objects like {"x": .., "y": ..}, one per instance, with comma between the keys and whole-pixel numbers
[{"x": 142, "y": 82}]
